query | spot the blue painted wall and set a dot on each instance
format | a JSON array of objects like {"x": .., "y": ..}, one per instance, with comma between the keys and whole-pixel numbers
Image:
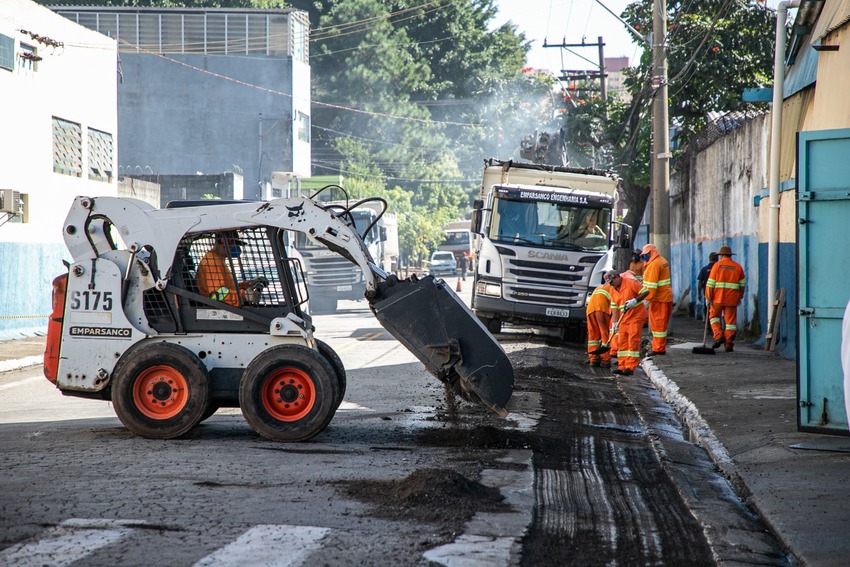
[{"x": 26, "y": 280}]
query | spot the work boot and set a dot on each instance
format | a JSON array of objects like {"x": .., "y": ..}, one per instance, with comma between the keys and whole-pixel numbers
[
  {"x": 717, "y": 343},
  {"x": 626, "y": 372},
  {"x": 658, "y": 353},
  {"x": 729, "y": 348},
  {"x": 617, "y": 371},
  {"x": 596, "y": 363}
]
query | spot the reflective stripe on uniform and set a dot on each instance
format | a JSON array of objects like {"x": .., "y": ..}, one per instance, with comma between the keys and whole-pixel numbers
[{"x": 220, "y": 293}]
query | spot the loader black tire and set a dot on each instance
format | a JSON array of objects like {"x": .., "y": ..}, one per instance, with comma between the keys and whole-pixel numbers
[
  {"x": 160, "y": 390},
  {"x": 339, "y": 369},
  {"x": 288, "y": 393}
]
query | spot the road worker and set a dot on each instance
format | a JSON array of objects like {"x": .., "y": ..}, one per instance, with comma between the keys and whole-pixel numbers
[
  {"x": 215, "y": 278},
  {"x": 636, "y": 265},
  {"x": 724, "y": 291},
  {"x": 702, "y": 280},
  {"x": 658, "y": 292},
  {"x": 598, "y": 315},
  {"x": 630, "y": 324}
]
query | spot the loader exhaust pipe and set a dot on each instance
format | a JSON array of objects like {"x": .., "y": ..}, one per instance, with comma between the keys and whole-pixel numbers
[{"x": 436, "y": 326}]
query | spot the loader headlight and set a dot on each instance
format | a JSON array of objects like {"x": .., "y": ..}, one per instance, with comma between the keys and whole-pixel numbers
[{"x": 487, "y": 288}]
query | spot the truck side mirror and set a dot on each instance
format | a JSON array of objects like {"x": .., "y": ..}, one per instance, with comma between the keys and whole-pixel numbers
[
  {"x": 623, "y": 236},
  {"x": 475, "y": 218}
]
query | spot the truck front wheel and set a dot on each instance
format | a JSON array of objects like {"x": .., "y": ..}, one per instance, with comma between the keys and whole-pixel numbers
[
  {"x": 289, "y": 393},
  {"x": 494, "y": 325},
  {"x": 160, "y": 391}
]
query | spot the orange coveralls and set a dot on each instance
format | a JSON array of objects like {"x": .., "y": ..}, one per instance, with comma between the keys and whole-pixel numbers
[
  {"x": 598, "y": 315},
  {"x": 631, "y": 326},
  {"x": 725, "y": 289},
  {"x": 215, "y": 280},
  {"x": 615, "y": 337},
  {"x": 656, "y": 280}
]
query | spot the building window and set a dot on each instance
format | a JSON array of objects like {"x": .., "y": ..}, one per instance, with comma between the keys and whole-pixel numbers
[
  {"x": 29, "y": 57},
  {"x": 7, "y": 52},
  {"x": 100, "y": 155},
  {"x": 67, "y": 147},
  {"x": 302, "y": 126}
]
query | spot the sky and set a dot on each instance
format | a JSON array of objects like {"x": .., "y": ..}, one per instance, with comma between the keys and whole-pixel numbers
[{"x": 568, "y": 21}]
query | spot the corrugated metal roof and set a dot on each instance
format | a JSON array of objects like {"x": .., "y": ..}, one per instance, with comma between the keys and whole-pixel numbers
[{"x": 835, "y": 13}]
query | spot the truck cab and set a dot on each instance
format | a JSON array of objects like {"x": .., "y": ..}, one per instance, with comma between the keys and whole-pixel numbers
[{"x": 544, "y": 236}]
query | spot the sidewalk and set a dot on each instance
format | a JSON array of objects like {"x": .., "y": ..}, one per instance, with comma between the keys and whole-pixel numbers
[{"x": 742, "y": 408}]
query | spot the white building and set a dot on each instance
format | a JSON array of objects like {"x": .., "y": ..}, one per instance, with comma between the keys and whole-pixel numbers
[{"x": 59, "y": 129}]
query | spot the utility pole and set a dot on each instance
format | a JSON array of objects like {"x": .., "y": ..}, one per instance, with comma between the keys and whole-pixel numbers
[
  {"x": 659, "y": 229},
  {"x": 577, "y": 75}
]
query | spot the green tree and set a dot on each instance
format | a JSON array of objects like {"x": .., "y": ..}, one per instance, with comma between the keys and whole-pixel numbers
[
  {"x": 432, "y": 88},
  {"x": 716, "y": 49}
]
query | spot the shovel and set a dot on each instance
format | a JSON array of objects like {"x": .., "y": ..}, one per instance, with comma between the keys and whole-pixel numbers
[{"x": 704, "y": 349}]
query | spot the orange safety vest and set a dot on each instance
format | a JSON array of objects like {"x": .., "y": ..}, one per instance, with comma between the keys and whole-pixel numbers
[
  {"x": 726, "y": 282},
  {"x": 630, "y": 289},
  {"x": 656, "y": 280},
  {"x": 215, "y": 280}
]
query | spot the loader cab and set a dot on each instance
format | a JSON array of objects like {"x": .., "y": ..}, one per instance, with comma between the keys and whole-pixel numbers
[{"x": 234, "y": 280}]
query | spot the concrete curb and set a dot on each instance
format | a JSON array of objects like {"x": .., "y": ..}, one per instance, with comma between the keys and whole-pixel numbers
[
  {"x": 701, "y": 432},
  {"x": 690, "y": 415},
  {"x": 17, "y": 364}
]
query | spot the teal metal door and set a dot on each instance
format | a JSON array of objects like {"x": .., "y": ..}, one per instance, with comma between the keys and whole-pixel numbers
[{"x": 823, "y": 258}]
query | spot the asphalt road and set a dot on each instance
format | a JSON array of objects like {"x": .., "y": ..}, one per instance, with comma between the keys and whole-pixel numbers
[{"x": 588, "y": 469}]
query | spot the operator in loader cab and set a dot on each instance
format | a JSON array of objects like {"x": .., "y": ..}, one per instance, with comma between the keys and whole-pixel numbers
[{"x": 215, "y": 278}]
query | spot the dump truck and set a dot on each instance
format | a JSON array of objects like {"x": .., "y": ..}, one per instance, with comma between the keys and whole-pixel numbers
[
  {"x": 172, "y": 313},
  {"x": 543, "y": 237}
]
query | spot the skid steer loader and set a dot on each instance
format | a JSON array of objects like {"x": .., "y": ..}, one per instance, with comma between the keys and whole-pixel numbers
[{"x": 145, "y": 317}]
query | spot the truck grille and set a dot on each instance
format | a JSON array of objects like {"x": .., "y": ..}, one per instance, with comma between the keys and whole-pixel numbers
[
  {"x": 547, "y": 283},
  {"x": 332, "y": 271}
]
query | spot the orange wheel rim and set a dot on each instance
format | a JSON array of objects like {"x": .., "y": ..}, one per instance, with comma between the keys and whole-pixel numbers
[
  {"x": 160, "y": 392},
  {"x": 288, "y": 394}
]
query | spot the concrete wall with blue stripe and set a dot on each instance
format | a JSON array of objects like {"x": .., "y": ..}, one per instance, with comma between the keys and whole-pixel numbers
[
  {"x": 717, "y": 197},
  {"x": 27, "y": 273}
]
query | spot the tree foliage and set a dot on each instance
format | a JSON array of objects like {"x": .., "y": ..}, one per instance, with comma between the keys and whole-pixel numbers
[
  {"x": 427, "y": 91},
  {"x": 716, "y": 48}
]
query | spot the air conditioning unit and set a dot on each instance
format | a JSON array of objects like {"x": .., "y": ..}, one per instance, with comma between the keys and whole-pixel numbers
[{"x": 10, "y": 202}]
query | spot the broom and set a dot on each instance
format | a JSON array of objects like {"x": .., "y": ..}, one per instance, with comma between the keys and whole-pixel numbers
[{"x": 704, "y": 349}]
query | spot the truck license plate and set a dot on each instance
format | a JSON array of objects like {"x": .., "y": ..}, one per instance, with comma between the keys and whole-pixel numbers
[
  {"x": 557, "y": 312},
  {"x": 343, "y": 288}
]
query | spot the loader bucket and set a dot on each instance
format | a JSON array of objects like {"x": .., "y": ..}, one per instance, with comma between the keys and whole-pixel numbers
[{"x": 428, "y": 318}]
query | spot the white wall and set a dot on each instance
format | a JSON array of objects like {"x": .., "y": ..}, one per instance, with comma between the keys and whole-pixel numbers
[{"x": 76, "y": 82}]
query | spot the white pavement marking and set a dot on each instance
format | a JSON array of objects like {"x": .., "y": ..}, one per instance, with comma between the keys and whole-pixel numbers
[
  {"x": 473, "y": 551},
  {"x": 68, "y": 542},
  {"x": 268, "y": 545}
]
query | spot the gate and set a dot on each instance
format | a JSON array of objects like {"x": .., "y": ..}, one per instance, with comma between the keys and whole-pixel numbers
[{"x": 823, "y": 258}]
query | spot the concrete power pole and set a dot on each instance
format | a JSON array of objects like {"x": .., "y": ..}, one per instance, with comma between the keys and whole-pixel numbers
[{"x": 659, "y": 230}]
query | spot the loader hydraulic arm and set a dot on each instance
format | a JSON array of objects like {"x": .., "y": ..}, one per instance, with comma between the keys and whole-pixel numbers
[{"x": 140, "y": 225}]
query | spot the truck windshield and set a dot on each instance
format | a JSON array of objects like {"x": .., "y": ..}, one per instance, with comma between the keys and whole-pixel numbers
[{"x": 553, "y": 225}]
